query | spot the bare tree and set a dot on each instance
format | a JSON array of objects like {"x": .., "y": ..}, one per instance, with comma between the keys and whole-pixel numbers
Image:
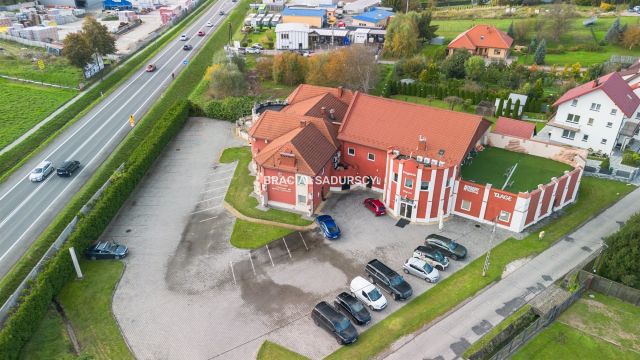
[
  {"x": 559, "y": 20},
  {"x": 361, "y": 68}
]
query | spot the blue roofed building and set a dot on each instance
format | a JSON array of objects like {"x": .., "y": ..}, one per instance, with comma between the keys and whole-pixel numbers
[
  {"x": 374, "y": 18},
  {"x": 315, "y": 18}
]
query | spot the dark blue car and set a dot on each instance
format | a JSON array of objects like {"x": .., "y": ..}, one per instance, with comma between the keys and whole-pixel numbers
[{"x": 329, "y": 228}]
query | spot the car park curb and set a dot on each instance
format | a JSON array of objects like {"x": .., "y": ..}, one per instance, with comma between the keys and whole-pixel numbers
[{"x": 238, "y": 215}]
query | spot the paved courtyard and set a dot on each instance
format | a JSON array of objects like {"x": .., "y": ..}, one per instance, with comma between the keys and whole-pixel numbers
[{"x": 188, "y": 294}]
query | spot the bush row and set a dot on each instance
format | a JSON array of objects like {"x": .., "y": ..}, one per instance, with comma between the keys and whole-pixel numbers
[
  {"x": 229, "y": 109},
  {"x": 59, "y": 270},
  {"x": 435, "y": 91},
  {"x": 12, "y": 159}
]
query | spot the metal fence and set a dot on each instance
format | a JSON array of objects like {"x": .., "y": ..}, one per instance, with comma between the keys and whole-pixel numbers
[
  {"x": 57, "y": 245},
  {"x": 610, "y": 287},
  {"x": 537, "y": 326}
]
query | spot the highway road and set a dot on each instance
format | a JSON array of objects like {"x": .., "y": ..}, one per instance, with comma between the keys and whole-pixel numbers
[{"x": 27, "y": 208}]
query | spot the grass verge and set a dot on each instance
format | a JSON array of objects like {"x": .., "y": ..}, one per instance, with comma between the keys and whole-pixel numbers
[
  {"x": 595, "y": 195},
  {"x": 249, "y": 235},
  {"x": 238, "y": 194},
  {"x": 50, "y": 341},
  {"x": 272, "y": 351}
]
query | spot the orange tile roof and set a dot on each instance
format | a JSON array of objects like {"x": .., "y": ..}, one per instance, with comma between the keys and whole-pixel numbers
[
  {"x": 485, "y": 36},
  {"x": 273, "y": 124},
  {"x": 306, "y": 91},
  {"x": 513, "y": 127},
  {"x": 310, "y": 149},
  {"x": 313, "y": 107},
  {"x": 384, "y": 123}
]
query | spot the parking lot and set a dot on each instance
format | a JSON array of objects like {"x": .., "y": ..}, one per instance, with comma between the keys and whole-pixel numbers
[{"x": 188, "y": 294}]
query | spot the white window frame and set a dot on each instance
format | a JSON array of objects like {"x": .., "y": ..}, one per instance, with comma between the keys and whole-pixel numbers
[
  {"x": 603, "y": 141},
  {"x": 585, "y": 137},
  {"x": 638, "y": 115},
  {"x": 423, "y": 182},
  {"x": 303, "y": 197},
  {"x": 574, "y": 102},
  {"x": 614, "y": 111},
  {"x": 503, "y": 214},
  {"x": 301, "y": 180},
  {"x": 569, "y": 135},
  {"x": 463, "y": 207},
  {"x": 371, "y": 156},
  {"x": 590, "y": 121},
  {"x": 609, "y": 124},
  {"x": 574, "y": 119},
  {"x": 595, "y": 107},
  {"x": 394, "y": 178},
  {"x": 410, "y": 186},
  {"x": 351, "y": 151}
]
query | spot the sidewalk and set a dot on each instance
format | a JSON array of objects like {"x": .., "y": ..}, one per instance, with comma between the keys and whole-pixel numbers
[{"x": 450, "y": 337}]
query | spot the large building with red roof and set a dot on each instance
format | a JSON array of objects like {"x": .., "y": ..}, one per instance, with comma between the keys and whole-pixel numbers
[
  {"x": 333, "y": 139},
  {"x": 483, "y": 40}
]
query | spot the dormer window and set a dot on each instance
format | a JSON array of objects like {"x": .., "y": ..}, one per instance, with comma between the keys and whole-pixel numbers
[{"x": 574, "y": 102}]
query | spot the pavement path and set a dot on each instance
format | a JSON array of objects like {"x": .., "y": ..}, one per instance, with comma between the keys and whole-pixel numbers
[
  {"x": 27, "y": 208},
  {"x": 451, "y": 336}
]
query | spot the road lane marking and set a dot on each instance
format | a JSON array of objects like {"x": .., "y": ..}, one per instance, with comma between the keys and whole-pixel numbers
[
  {"x": 211, "y": 208},
  {"x": 214, "y": 189},
  {"x": 209, "y": 199},
  {"x": 209, "y": 182}
]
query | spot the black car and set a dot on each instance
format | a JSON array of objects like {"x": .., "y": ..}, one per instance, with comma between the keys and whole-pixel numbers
[
  {"x": 351, "y": 306},
  {"x": 446, "y": 246},
  {"x": 106, "y": 250},
  {"x": 391, "y": 281},
  {"x": 187, "y": 47},
  {"x": 68, "y": 167},
  {"x": 330, "y": 319}
]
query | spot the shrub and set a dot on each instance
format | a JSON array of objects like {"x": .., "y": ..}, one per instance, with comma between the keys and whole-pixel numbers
[
  {"x": 606, "y": 7},
  {"x": 229, "y": 109},
  {"x": 631, "y": 158}
]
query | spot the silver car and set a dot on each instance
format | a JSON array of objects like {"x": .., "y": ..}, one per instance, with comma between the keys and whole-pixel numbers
[
  {"x": 421, "y": 269},
  {"x": 41, "y": 171}
]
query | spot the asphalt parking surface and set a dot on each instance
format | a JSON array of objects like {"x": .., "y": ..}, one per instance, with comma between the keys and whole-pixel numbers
[{"x": 188, "y": 294}]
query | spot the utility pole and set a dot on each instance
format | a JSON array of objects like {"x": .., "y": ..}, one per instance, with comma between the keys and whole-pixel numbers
[{"x": 487, "y": 260}]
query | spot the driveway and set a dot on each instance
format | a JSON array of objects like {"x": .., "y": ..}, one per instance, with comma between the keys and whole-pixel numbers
[{"x": 188, "y": 294}]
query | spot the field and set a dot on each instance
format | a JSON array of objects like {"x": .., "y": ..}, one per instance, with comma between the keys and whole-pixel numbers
[
  {"x": 601, "y": 327},
  {"x": 23, "y": 105},
  {"x": 491, "y": 165},
  {"x": 16, "y": 61}
]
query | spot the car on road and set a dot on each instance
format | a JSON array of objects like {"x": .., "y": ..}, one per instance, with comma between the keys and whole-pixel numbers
[
  {"x": 184, "y": 37},
  {"x": 41, "y": 171},
  {"x": 330, "y": 319},
  {"x": 68, "y": 167},
  {"x": 221, "y": 12},
  {"x": 187, "y": 47},
  {"x": 389, "y": 280},
  {"x": 367, "y": 293},
  {"x": 421, "y": 269},
  {"x": 201, "y": 33},
  {"x": 209, "y": 24},
  {"x": 375, "y": 205},
  {"x": 353, "y": 308},
  {"x": 150, "y": 68},
  {"x": 446, "y": 246},
  {"x": 106, "y": 250},
  {"x": 251, "y": 50},
  {"x": 432, "y": 256},
  {"x": 257, "y": 46},
  {"x": 328, "y": 226}
]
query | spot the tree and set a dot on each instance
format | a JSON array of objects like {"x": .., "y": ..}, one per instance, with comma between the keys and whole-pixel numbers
[
  {"x": 537, "y": 90},
  {"x": 500, "y": 108},
  {"x": 426, "y": 31},
  {"x": 619, "y": 260},
  {"x": 401, "y": 5},
  {"x": 631, "y": 37},
  {"x": 289, "y": 68},
  {"x": 411, "y": 67},
  {"x": 430, "y": 75},
  {"x": 510, "y": 30},
  {"x": 77, "y": 50},
  {"x": 453, "y": 66},
  {"x": 474, "y": 67},
  {"x": 227, "y": 80},
  {"x": 560, "y": 20},
  {"x": 264, "y": 67},
  {"x": 516, "y": 110},
  {"x": 98, "y": 36},
  {"x": 614, "y": 34},
  {"x": 541, "y": 52},
  {"x": 360, "y": 71},
  {"x": 402, "y": 36},
  {"x": 507, "y": 110},
  {"x": 453, "y": 101}
]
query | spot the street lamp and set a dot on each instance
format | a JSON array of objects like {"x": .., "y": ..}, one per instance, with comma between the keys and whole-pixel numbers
[{"x": 487, "y": 260}]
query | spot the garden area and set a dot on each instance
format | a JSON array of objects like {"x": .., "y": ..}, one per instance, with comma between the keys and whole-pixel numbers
[{"x": 492, "y": 165}]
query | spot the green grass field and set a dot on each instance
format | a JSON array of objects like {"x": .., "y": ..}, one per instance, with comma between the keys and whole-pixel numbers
[
  {"x": 23, "y": 105},
  {"x": 50, "y": 340},
  {"x": 16, "y": 62},
  {"x": 248, "y": 235},
  {"x": 491, "y": 165},
  {"x": 272, "y": 351}
]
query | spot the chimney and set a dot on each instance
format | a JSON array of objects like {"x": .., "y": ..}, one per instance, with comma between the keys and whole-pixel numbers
[
  {"x": 332, "y": 114},
  {"x": 340, "y": 91},
  {"x": 422, "y": 143},
  {"x": 303, "y": 123},
  {"x": 596, "y": 82},
  {"x": 323, "y": 110}
]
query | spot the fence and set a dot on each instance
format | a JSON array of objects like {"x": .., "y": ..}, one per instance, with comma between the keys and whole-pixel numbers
[
  {"x": 537, "y": 326},
  {"x": 24, "y": 41},
  {"x": 610, "y": 287},
  {"x": 15, "y": 297}
]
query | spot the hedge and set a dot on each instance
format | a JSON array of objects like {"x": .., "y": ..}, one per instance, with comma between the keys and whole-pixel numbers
[
  {"x": 433, "y": 90},
  {"x": 229, "y": 109},
  {"x": 13, "y": 159},
  {"x": 57, "y": 272}
]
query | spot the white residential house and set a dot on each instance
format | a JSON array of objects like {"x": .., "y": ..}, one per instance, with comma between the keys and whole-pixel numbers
[
  {"x": 600, "y": 115},
  {"x": 292, "y": 36}
]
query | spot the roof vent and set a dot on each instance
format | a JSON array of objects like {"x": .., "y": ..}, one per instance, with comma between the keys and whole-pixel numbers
[
  {"x": 422, "y": 142},
  {"x": 287, "y": 154},
  {"x": 441, "y": 152},
  {"x": 332, "y": 114},
  {"x": 481, "y": 37},
  {"x": 323, "y": 110}
]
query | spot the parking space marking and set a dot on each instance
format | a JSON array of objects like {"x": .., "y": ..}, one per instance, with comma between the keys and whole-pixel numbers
[
  {"x": 269, "y": 252},
  {"x": 214, "y": 189},
  {"x": 209, "y": 199},
  {"x": 252, "y": 267},
  {"x": 221, "y": 172},
  {"x": 233, "y": 273},
  {"x": 285, "y": 245},
  {"x": 303, "y": 242},
  {"x": 209, "y": 182},
  {"x": 211, "y": 218},
  {"x": 211, "y": 208}
]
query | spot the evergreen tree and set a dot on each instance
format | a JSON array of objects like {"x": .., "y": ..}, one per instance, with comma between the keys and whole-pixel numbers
[
  {"x": 541, "y": 52},
  {"x": 507, "y": 110},
  {"x": 510, "y": 30},
  {"x": 500, "y": 107},
  {"x": 516, "y": 110},
  {"x": 613, "y": 34}
]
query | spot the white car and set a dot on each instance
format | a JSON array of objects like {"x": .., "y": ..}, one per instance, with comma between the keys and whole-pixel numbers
[
  {"x": 209, "y": 24},
  {"x": 257, "y": 46},
  {"x": 184, "y": 37},
  {"x": 366, "y": 292},
  {"x": 421, "y": 269},
  {"x": 251, "y": 50},
  {"x": 41, "y": 171}
]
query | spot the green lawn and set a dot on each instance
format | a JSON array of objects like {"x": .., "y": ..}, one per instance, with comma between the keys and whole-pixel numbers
[
  {"x": 491, "y": 165},
  {"x": 23, "y": 105},
  {"x": 249, "y": 235},
  {"x": 50, "y": 341},
  {"x": 594, "y": 196},
  {"x": 241, "y": 187},
  {"x": 272, "y": 351},
  {"x": 18, "y": 63},
  {"x": 260, "y": 37}
]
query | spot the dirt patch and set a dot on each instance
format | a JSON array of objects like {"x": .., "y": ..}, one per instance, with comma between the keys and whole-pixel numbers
[{"x": 515, "y": 265}]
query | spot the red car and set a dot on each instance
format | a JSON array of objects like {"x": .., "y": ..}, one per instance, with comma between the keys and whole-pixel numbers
[
  {"x": 150, "y": 68},
  {"x": 375, "y": 205},
  {"x": 200, "y": 33}
]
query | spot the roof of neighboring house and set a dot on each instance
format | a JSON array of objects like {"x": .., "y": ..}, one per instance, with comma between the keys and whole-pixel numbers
[
  {"x": 303, "y": 12},
  {"x": 313, "y": 107},
  {"x": 355, "y": 5},
  {"x": 292, "y": 27},
  {"x": 383, "y": 123},
  {"x": 273, "y": 124},
  {"x": 513, "y": 127},
  {"x": 374, "y": 16},
  {"x": 306, "y": 145},
  {"x": 486, "y": 36},
  {"x": 305, "y": 91},
  {"x": 611, "y": 84}
]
